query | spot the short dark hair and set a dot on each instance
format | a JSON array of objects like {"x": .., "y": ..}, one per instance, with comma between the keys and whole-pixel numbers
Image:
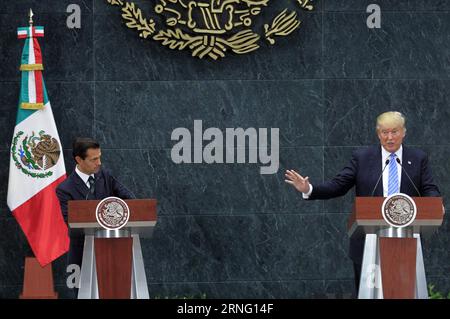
[{"x": 81, "y": 145}]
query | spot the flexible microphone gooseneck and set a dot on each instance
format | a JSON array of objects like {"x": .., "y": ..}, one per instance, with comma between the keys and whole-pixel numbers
[
  {"x": 398, "y": 161},
  {"x": 379, "y": 178}
]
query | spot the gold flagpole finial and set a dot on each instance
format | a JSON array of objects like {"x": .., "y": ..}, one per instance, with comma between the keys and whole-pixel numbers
[{"x": 31, "y": 17}]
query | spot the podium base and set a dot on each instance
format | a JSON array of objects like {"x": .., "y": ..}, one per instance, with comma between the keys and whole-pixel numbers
[
  {"x": 55, "y": 296},
  {"x": 38, "y": 281},
  {"x": 89, "y": 283},
  {"x": 371, "y": 284}
]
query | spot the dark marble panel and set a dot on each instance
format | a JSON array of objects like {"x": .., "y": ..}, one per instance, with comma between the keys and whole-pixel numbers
[
  {"x": 10, "y": 292},
  {"x": 436, "y": 252},
  {"x": 67, "y": 53},
  {"x": 4, "y": 177},
  {"x": 11, "y": 47},
  {"x": 214, "y": 188},
  {"x": 102, "y": 6},
  {"x": 13, "y": 250},
  {"x": 64, "y": 292},
  {"x": 60, "y": 274},
  {"x": 339, "y": 289},
  {"x": 292, "y": 57},
  {"x": 73, "y": 109},
  {"x": 234, "y": 248},
  {"x": 69, "y": 161},
  {"x": 335, "y": 159},
  {"x": 72, "y": 105},
  {"x": 236, "y": 290},
  {"x": 440, "y": 166},
  {"x": 352, "y": 107},
  {"x": 9, "y": 91},
  {"x": 144, "y": 114},
  {"x": 407, "y": 46},
  {"x": 336, "y": 263},
  {"x": 386, "y": 5},
  {"x": 22, "y": 7}
]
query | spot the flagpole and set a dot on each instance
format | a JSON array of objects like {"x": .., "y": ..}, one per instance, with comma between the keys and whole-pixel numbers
[
  {"x": 39, "y": 217},
  {"x": 31, "y": 18}
]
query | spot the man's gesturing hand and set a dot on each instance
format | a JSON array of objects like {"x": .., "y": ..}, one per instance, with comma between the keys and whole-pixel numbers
[{"x": 299, "y": 182}]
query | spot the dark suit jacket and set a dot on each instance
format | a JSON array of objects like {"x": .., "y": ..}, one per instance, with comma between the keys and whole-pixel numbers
[
  {"x": 363, "y": 172},
  {"x": 73, "y": 188}
]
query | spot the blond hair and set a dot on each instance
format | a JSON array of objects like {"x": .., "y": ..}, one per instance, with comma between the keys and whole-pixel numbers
[{"x": 391, "y": 119}]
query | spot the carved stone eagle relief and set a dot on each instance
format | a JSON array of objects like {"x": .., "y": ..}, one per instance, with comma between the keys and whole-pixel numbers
[{"x": 211, "y": 28}]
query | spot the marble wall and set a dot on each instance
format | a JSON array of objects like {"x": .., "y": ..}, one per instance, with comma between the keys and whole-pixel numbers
[{"x": 225, "y": 230}]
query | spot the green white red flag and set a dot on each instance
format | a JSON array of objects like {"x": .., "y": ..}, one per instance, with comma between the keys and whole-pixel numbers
[{"x": 36, "y": 159}]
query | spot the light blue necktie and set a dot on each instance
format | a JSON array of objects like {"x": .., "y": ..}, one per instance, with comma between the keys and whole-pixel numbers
[{"x": 393, "y": 175}]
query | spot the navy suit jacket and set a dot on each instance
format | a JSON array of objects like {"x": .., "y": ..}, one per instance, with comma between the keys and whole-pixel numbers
[
  {"x": 363, "y": 171},
  {"x": 73, "y": 188},
  {"x": 365, "y": 168}
]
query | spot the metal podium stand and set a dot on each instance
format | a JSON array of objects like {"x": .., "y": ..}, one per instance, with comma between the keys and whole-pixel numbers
[
  {"x": 117, "y": 252},
  {"x": 393, "y": 264}
]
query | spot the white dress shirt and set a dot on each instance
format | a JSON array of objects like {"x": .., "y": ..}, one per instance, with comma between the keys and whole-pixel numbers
[{"x": 84, "y": 177}]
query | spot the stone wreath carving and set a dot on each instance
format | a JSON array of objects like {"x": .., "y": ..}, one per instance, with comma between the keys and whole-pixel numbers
[{"x": 210, "y": 28}]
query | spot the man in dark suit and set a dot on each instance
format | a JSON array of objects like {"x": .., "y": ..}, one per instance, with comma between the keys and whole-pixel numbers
[
  {"x": 88, "y": 181},
  {"x": 367, "y": 166}
]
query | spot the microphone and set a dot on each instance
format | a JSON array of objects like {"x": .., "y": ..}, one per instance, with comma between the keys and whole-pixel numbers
[
  {"x": 398, "y": 161},
  {"x": 379, "y": 178}
]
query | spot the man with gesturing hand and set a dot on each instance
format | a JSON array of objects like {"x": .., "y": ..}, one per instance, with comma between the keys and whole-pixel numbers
[{"x": 375, "y": 171}]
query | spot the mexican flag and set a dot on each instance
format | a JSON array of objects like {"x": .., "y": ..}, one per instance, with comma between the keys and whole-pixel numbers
[{"x": 36, "y": 159}]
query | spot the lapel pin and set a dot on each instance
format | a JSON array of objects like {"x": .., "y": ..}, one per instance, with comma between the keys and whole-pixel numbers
[{"x": 409, "y": 162}]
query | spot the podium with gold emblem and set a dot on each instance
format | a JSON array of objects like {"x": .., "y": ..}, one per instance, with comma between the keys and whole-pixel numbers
[
  {"x": 112, "y": 265},
  {"x": 393, "y": 266}
]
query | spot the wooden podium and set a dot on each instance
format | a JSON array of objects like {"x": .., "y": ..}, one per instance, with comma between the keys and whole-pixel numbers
[
  {"x": 112, "y": 265},
  {"x": 393, "y": 262},
  {"x": 37, "y": 281}
]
